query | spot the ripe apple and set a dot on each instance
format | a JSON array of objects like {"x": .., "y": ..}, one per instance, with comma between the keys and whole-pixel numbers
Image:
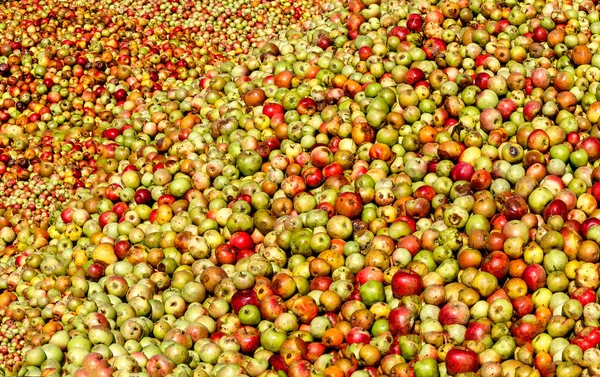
[
  {"x": 406, "y": 284},
  {"x": 461, "y": 360}
]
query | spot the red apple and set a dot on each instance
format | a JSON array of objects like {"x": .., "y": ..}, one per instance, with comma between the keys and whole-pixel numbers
[
  {"x": 476, "y": 330},
  {"x": 241, "y": 240},
  {"x": 462, "y": 171},
  {"x": 532, "y": 109},
  {"x": 368, "y": 273},
  {"x": 358, "y": 335},
  {"x": 414, "y": 23},
  {"x": 496, "y": 263},
  {"x": 401, "y": 321},
  {"x": 584, "y": 295},
  {"x": 67, "y": 215},
  {"x": 585, "y": 226},
  {"x": 278, "y": 363},
  {"x": 248, "y": 338},
  {"x": 527, "y": 328},
  {"x": 306, "y": 106},
  {"x": 556, "y": 207},
  {"x": 506, "y": 107},
  {"x": 535, "y": 277},
  {"x": 160, "y": 365},
  {"x": 272, "y": 108},
  {"x": 406, "y": 284},
  {"x": 433, "y": 46},
  {"x": 244, "y": 297},
  {"x": 143, "y": 196},
  {"x": 226, "y": 254},
  {"x": 461, "y": 360},
  {"x": 349, "y": 204},
  {"x": 522, "y": 306},
  {"x": 592, "y": 146},
  {"x": 414, "y": 75}
]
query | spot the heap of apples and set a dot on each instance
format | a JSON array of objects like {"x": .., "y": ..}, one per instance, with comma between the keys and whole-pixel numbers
[{"x": 355, "y": 188}]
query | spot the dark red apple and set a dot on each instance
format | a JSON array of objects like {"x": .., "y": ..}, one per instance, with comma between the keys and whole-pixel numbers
[
  {"x": 406, "y": 283},
  {"x": 556, "y": 207},
  {"x": 461, "y": 360},
  {"x": 399, "y": 31},
  {"x": 587, "y": 223},
  {"x": 515, "y": 208},
  {"x": 481, "y": 80},
  {"x": 278, "y": 363},
  {"x": 414, "y": 75},
  {"x": 121, "y": 248},
  {"x": 414, "y": 23},
  {"x": 142, "y": 196},
  {"x": 95, "y": 271},
  {"x": 401, "y": 321},
  {"x": 244, "y": 297}
]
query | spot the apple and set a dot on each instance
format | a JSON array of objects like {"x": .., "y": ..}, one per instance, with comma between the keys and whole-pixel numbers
[
  {"x": 160, "y": 365},
  {"x": 496, "y": 263},
  {"x": 248, "y": 338},
  {"x": 272, "y": 108},
  {"x": 535, "y": 277},
  {"x": 358, "y": 335},
  {"x": 461, "y": 360},
  {"x": 401, "y": 321},
  {"x": 249, "y": 315},
  {"x": 455, "y": 312},
  {"x": 406, "y": 283},
  {"x": 556, "y": 207},
  {"x": 244, "y": 297}
]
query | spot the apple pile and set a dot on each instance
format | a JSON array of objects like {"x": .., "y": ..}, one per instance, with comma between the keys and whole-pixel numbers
[{"x": 356, "y": 188}]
